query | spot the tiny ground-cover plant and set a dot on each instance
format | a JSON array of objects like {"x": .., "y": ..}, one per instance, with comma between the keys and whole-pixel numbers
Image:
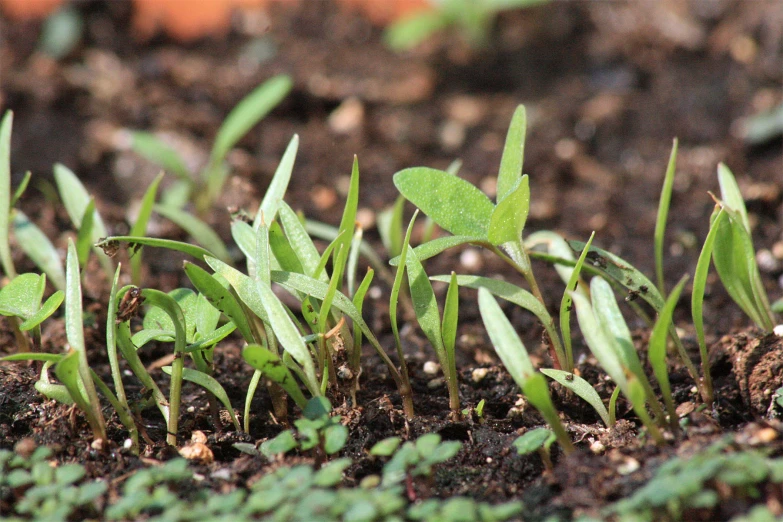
[
  {"x": 698, "y": 483},
  {"x": 204, "y": 187},
  {"x": 538, "y": 440}
]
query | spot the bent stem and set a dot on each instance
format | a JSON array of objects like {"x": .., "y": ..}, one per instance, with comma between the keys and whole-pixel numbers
[{"x": 170, "y": 306}]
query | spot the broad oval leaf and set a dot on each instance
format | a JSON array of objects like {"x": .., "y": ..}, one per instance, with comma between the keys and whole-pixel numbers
[
  {"x": 534, "y": 440},
  {"x": 49, "y": 307},
  {"x": 22, "y": 296},
  {"x": 453, "y": 203}
]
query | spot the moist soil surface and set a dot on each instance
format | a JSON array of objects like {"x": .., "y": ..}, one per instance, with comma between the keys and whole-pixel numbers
[{"x": 607, "y": 87}]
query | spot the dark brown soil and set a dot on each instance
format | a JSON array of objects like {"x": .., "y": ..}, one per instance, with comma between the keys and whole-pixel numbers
[{"x": 607, "y": 87}]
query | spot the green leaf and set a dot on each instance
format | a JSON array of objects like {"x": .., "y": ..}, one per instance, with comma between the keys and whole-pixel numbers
[
  {"x": 534, "y": 440},
  {"x": 735, "y": 261},
  {"x": 286, "y": 332},
  {"x": 20, "y": 190},
  {"x": 663, "y": 212},
  {"x": 537, "y": 392},
  {"x": 509, "y": 217},
  {"x": 282, "y": 250},
  {"x": 509, "y": 292},
  {"x": 436, "y": 246},
  {"x": 273, "y": 197},
  {"x": 139, "y": 228},
  {"x": 74, "y": 325},
  {"x": 504, "y": 338},
  {"x": 197, "y": 229},
  {"x": 449, "y": 325},
  {"x": 622, "y": 272},
  {"x": 389, "y": 224},
  {"x": 600, "y": 344},
  {"x": 300, "y": 241},
  {"x": 283, "y": 443},
  {"x": 566, "y": 302},
  {"x": 247, "y": 113},
  {"x": 424, "y": 305},
  {"x": 731, "y": 195},
  {"x": 219, "y": 297},
  {"x": 179, "y": 246},
  {"x": 456, "y": 205},
  {"x": 39, "y": 249},
  {"x": 49, "y": 307},
  {"x": 697, "y": 296},
  {"x": 513, "y": 156},
  {"x": 68, "y": 373},
  {"x": 76, "y": 199},
  {"x": 657, "y": 348},
  {"x": 22, "y": 296},
  {"x": 335, "y": 437},
  {"x": 157, "y": 151},
  {"x": 581, "y": 388},
  {"x": 386, "y": 447},
  {"x": 84, "y": 239},
  {"x": 210, "y": 384},
  {"x": 410, "y": 31},
  {"x": 5, "y": 194},
  {"x": 273, "y": 368}
]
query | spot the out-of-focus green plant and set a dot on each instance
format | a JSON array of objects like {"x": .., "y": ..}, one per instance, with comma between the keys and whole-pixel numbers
[
  {"x": 204, "y": 187},
  {"x": 473, "y": 17}
]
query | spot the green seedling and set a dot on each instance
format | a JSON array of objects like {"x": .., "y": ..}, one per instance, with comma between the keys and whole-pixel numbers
[
  {"x": 663, "y": 212},
  {"x": 205, "y": 187},
  {"x": 734, "y": 256},
  {"x": 40, "y": 491},
  {"x": 317, "y": 431},
  {"x": 539, "y": 440},
  {"x": 21, "y": 299},
  {"x": 463, "y": 210},
  {"x": 413, "y": 459},
  {"x": 441, "y": 334},
  {"x": 697, "y": 484},
  {"x": 606, "y": 335},
  {"x": 77, "y": 203},
  {"x": 474, "y": 20},
  {"x": 5, "y": 194},
  {"x": 515, "y": 358}
]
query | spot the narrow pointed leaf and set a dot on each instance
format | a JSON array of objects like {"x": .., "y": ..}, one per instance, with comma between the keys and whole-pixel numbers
[
  {"x": 300, "y": 241},
  {"x": 210, "y": 384},
  {"x": 513, "y": 154},
  {"x": 202, "y": 233},
  {"x": 5, "y": 194},
  {"x": 219, "y": 297},
  {"x": 731, "y": 195},
  {"x": 273, "y": 369},
  {"x": 450, "y": 320},
  {"x": 504, "y": 338},
  {"x": 273, "y": 197},
  {"x": 84, "y": 238},
  {"x": 39, "y": 249},
  {"x": 247, "y": 113},
  {"x": 49, "y": 307},
  {"x": 157, "y": 151},
  {"x": 663, "y": 213},
  {"x": 179, "y": 246},
  {"x": 441, "y": 244}
]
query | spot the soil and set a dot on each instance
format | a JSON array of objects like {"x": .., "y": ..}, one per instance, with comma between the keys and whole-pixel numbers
[{"x": 607, "y": 87}]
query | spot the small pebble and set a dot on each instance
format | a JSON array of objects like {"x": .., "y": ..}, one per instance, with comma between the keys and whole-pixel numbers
[
  {"x": 452, "y": 135},
  {"x": 470, "y": 259},
  {"x": 348, "y": 117},
  {"x": 778, "y": 330},
  {"x": 98, "y": 444},
  {"x": 431, "y": 368},
  {"x": 25, "y": 447},
  {"x": 478, "y": 374},
  {"x": 221, "y": 474},
  {"x": 597, "y": 447},
  {"x": 436, "y": 383},
  {"x": 628, "y": 466}
]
